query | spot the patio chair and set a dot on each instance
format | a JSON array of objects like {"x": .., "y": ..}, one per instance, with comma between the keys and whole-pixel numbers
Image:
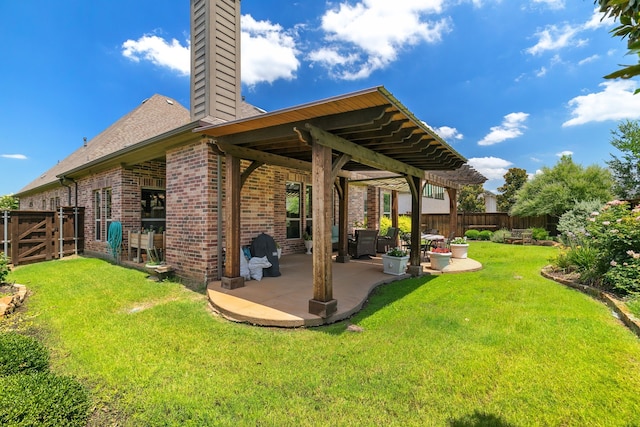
[
  {"x": 363, "y": 244},
  {"x": 389, "y": 240}
]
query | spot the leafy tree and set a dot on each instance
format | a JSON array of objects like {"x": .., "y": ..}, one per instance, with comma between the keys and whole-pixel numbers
[
  {"x": 626, "y": 171},
  {"x": 470, "y": 198},
  {"x": 557, "y": 190},
  {"x": 627, "y": 12},
  {"x": 8, "y": 203},
  {"x": 514, "y": 179}
]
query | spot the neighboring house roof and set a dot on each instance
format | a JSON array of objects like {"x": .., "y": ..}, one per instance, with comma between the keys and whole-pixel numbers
[{"x": 155, "y": 116}]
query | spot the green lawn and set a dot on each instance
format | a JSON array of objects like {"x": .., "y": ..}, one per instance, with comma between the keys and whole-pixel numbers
[{"x": 502, "y": 346}]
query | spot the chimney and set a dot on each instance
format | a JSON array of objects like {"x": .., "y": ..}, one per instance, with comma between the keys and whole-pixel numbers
[{"x": 215, "y": 59}]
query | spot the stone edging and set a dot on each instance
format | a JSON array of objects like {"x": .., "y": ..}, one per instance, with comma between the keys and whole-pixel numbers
[
  {"x": 9, "y": 303},
  {"x": 619, "y": 307}
]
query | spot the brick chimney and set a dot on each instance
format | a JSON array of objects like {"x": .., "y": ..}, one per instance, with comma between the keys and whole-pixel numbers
[{"x": 215, "y": 60}]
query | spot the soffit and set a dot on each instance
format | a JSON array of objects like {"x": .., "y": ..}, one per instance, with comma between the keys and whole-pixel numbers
[{"x": 372, "y": 119}]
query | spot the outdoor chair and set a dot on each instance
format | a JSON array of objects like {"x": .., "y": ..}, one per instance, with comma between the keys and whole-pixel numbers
[
  {"x": 363, "y": 244},
  {"x": 389, "y": 240}
]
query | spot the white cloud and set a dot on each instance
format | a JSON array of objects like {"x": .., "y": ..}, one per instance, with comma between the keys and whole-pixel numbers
[
  {"x": 615, "y": 102},
  {"x": 553, "y": 38},
  {"x": 371, "y": 33},
  {"x": 597, "y": 20},
  {"x": 535, "y": 159},
  {"x": 589, "y": 59},
  {"x": 14, "y": 156},
  {"x": 551, "y": 4},
  {"x": 169, "y": 54},
  {"x": 268, "y": 52},
  {"x": 490, "y": 167},
  {"x": 511, "y": 127},
  {"x": 448, "y": 133},
  {"x": 564, "y": 153}
]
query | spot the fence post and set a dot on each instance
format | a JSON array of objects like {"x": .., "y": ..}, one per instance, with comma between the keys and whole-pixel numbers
[
  {"x": 61, "y": 232},
  {"x": 6, "y": 233}
]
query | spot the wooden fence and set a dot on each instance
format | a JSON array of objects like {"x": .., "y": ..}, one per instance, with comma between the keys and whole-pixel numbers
[
  {"x": 486, "y": 221},
  {"x": 33, "y": 236}
]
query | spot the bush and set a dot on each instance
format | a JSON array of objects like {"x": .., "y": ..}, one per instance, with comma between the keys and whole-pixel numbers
[
  {"x": 575, "y": 220},
  {"x": 485, "y": 235},
  {"x": 21, "y": 354},
  {"x": 499, "y": 236},
  {"x": 539, "y": 234},
  {"x": 472, "y": 234},
  {"x": 43, "y": 399},
  {"x": 4, "y": 267},
  {"x": 404, "y": 224}
]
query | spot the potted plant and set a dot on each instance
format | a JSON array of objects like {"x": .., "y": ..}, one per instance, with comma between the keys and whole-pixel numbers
[
  {"x": 395, "y": 261},
  {"x": 308, "y": 242},
  {"x": 278, "y": 250},
  {"x": 440, "y": 258},
  {"x": 459, "y": 247}
]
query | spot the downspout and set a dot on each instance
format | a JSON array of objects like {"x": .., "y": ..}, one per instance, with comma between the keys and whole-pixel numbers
[
  {"x": 219, "y": 195},
  {"x": 68, "y": 190}
]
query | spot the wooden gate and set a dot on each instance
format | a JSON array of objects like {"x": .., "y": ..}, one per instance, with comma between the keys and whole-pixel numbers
[{"x": 34, "y": 236}]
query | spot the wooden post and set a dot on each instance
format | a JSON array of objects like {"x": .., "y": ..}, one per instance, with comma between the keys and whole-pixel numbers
[
  {"x": 322, "y": 304},
  {"x": 394, "y": 213},
  {"x": 232, "y": 278},
  {"x": 453, "y": 211},
  {"x": 415, "y": 267},
  {"x": 343, "y": 221}
]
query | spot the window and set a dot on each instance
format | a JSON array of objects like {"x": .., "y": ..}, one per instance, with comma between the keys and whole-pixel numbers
[
  {"x": 44, "y": 204},
  {"x": 97, "y": 213},
  {"x": 153, "y": 210},
  {"x": 293, "y": 210},
  {"x": 308, "y": 209},
  {"x": 57, "y": 202},
  {"x": 107, "y": 210},
  {"x": 52, "y": 204},
  {"x": 433, "y": 191},
  {"x": 386, "y": 204}
]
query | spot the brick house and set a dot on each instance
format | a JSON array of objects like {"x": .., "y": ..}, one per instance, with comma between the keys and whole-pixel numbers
[{"x": 218, "y": 175}]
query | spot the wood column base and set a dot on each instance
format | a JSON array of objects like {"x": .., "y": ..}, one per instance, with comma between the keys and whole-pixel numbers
[
  {"x": 415, "y": 270},
  {"x": 343, "y": 258},
  {"x": 232, "y": 282},
  {"x": 323, "y": 309}
]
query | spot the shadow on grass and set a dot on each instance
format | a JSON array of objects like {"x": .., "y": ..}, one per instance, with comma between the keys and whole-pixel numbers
[
  {"x": 480, "y": 419},
  {"x": 380, "y": 297}
]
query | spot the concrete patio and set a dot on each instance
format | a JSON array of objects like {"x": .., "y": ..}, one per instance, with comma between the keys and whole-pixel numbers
[{"x": 284, "y": 301}]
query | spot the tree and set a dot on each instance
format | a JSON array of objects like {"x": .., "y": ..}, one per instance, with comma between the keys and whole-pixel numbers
[
  {"x": 626, "y": 171},
  {"x": 628, "y": 14},
  {"x": 470, "y": 198},
  {"x": 556, "y": 190},
  {"x": 9, "y": 202},
  {"x": 514, "y": 179}
]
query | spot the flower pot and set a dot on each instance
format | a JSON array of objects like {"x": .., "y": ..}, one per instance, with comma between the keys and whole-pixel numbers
[
  {"x": 279, "y": 250},
  {"x": 459, "y": 250},
  {"x": 439, "y": 260},
  {"x": 394, "y": 265},
  {"x": 308, "y": 244}
]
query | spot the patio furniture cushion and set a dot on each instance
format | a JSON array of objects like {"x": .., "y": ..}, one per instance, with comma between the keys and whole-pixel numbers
[
  {"x": 364, "y": 243},
  {"x": 389, "y": 240}
]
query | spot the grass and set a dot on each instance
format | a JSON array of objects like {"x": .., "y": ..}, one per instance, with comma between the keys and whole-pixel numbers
[{"x": 502, "y": 346}]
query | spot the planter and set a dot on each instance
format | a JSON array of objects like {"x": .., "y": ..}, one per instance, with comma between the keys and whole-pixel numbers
[
  {"x": 394, "y": 265},
  {"x": 308, "y": 244},
  {"x": 279, "y": 251},
  {"x": 439, "y": 260},
  {"x": 459, "y": 250}
]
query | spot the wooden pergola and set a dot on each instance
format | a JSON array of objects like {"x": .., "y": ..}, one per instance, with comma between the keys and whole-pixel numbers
[{"x": 334, "y": 138}]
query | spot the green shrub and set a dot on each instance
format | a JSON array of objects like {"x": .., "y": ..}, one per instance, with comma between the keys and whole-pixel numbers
[
  {"x": 4, "y": 267},
  {"x": 43, "y": 399},
  {"x": 472, "y": 234},
  {"x": 539, "y": 233},
  {"x": 499, "y": 236},
  {"x": 575, "y": 220},
  {"x": 485, "y": 235},
  {"x": 21, "y": 354}
]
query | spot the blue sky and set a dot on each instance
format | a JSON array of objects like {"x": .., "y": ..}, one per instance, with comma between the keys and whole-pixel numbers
[{"x": 507, "y": 83}]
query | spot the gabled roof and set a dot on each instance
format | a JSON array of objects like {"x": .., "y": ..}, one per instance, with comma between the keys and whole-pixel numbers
[{"x": 156, "y": 115}]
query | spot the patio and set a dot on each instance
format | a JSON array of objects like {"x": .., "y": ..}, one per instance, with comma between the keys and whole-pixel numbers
[{"x": 283, "y": 301}]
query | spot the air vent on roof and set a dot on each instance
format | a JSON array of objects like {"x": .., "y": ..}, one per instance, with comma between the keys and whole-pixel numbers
[
  {"x": 170, "y": 102},
  {"x": 145, "y": 100}
]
